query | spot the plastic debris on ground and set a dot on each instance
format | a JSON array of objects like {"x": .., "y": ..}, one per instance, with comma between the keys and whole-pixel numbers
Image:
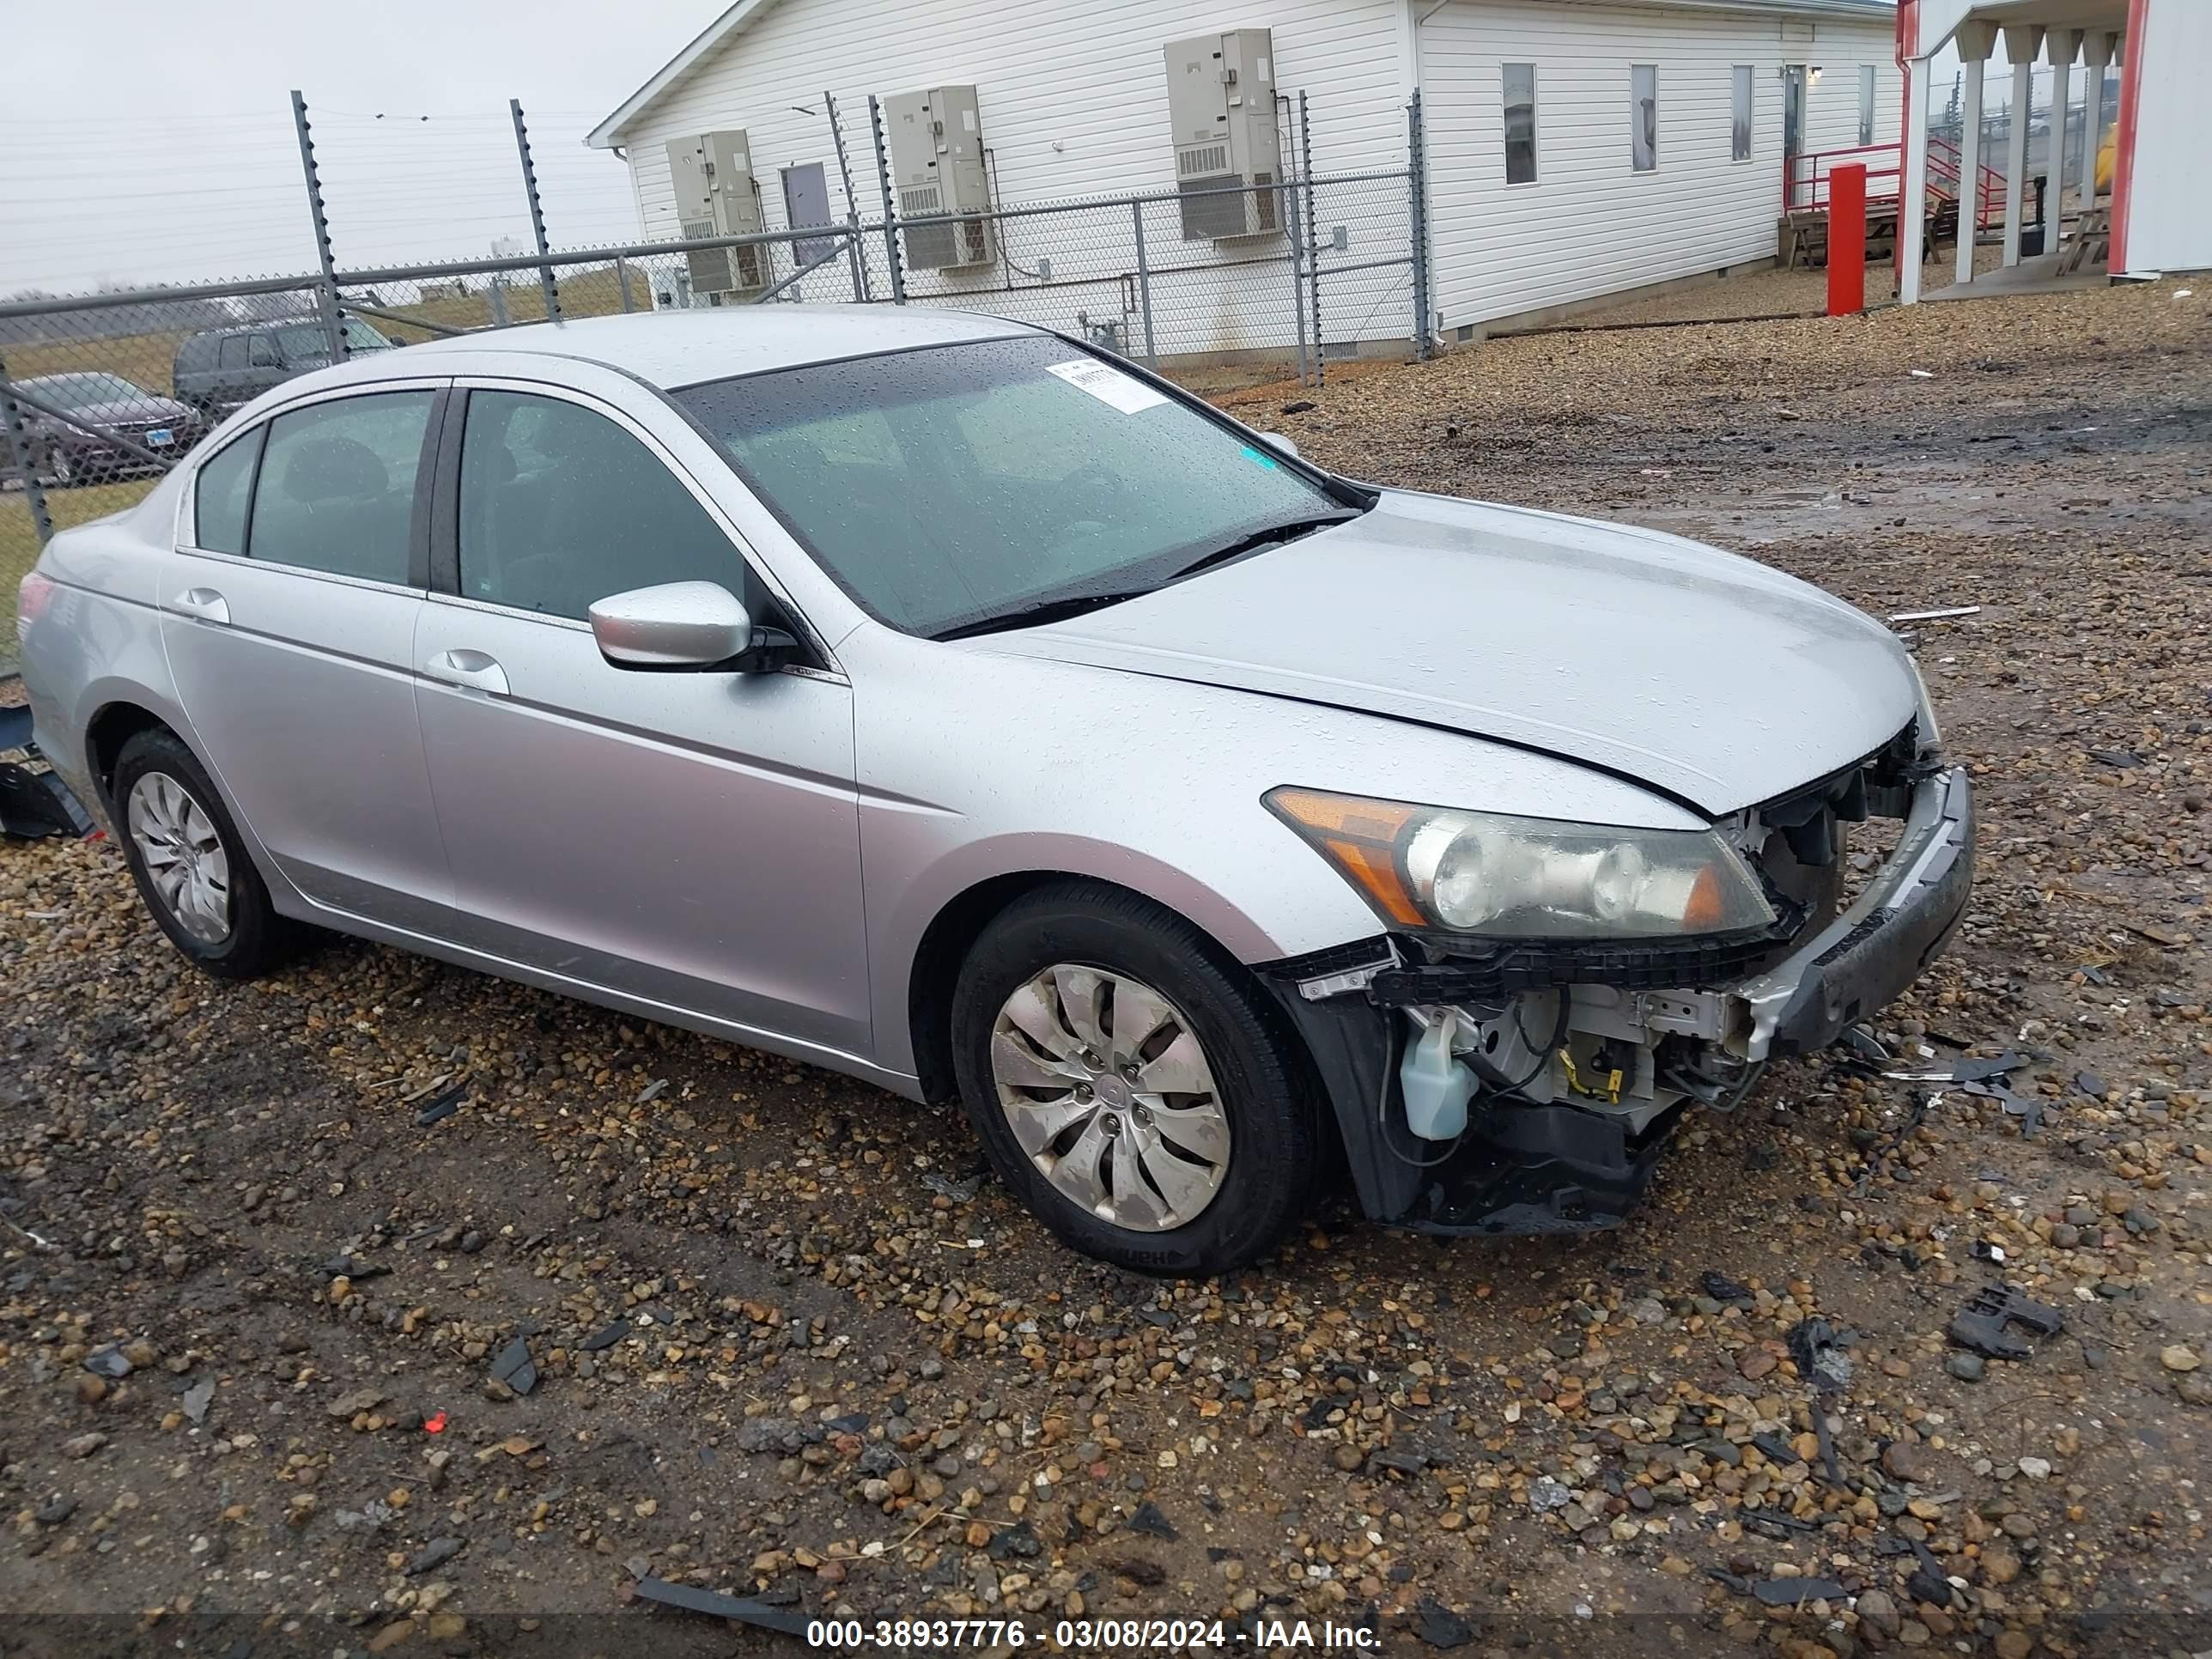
[{"x": 1982, "y": 1324}]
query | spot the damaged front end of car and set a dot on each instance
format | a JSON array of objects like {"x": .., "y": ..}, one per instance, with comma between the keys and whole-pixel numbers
[{"x": 1524, "y": 1077}]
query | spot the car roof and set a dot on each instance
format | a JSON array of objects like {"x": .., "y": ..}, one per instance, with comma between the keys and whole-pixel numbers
[{"x": 683, "y": 348}]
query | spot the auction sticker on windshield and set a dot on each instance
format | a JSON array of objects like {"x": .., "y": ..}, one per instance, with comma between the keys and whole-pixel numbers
[{"x": 1107, "y": 384}]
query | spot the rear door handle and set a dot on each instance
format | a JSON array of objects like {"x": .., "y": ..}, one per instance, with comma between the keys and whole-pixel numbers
[
  {"x": 473, "y": 669},
  {"x": 201, "y": 604}
]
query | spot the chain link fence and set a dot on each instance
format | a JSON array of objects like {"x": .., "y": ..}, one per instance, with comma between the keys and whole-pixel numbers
[{"x": 102, "y": 392}]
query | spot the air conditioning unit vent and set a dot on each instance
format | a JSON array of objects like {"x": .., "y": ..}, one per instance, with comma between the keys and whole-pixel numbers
[
  {"x": 712, "y": 177},
  {"x": 1221, "y": 114},
  {"x": 936, "y": 141}
]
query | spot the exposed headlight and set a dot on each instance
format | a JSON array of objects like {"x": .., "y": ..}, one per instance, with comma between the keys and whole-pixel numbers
[
  {"x": 1924, "y": 717},
  {"x": 1484, "y": 872}
]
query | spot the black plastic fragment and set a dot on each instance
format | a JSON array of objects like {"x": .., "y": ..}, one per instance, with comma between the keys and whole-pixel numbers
[
  {"x": 444, "y": 1106},
  {"x": 514, "y": 1366},
  {"x": 1820, "y": 1355},
  {"x": 1439, "y": 1626},
  {"x": 1795, "y": 1592},
  {"x": 749, "y": 1610},
  {"x": 1981, "y": 1324},
  {"x": 36, "y": 804},
  {"x": 1148, "y": 1520},
  {"x": 605, "y": 1337}
]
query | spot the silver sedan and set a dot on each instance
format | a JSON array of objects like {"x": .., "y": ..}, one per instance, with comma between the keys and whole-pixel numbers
[{"x": 931, "y": 698}]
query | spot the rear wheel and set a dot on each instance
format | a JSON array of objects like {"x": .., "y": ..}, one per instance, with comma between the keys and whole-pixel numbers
[
  {"x": 190, "y": 864},
  {"x": 1128, "y": 1084}
]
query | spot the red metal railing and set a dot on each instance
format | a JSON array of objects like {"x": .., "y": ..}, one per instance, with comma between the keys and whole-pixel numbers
[{"x": 1805, "y": 178}]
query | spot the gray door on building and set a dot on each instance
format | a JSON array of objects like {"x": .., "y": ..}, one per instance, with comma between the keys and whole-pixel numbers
[
  {"x": 806, "y": 202},
  {"x": 1799, "y": 192}
]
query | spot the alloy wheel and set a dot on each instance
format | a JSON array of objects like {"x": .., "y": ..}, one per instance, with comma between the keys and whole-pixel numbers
[
  {"x": 186, "y": 862},
  {"x": 1110, "y": 1094}
]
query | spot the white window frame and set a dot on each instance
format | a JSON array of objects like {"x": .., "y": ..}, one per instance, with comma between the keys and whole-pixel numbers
[
  {"x": 1743, "y": 93},
  {"x": 1866, "y": 103},
  {"x": 1504, "y": 108}
]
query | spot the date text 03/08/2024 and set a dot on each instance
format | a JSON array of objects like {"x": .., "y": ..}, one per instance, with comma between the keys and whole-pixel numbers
[{"x": 1087, "y": 1635}]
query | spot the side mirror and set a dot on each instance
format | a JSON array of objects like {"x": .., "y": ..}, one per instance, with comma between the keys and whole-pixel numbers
[
  {"x": 680, "y": 625},
  {"x": 1277, "y": 440}
]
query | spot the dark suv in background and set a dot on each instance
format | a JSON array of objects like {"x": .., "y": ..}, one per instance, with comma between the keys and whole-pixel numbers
[{"x": 219, "y": 368}]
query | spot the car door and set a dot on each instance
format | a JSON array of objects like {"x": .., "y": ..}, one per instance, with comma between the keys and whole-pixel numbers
[
  {"x": 689, "y": 840},
  {"x": 288, "y": 615}
]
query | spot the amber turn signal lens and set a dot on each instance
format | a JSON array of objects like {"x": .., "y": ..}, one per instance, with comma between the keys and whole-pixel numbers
[{"x": 1358, "y": 835}]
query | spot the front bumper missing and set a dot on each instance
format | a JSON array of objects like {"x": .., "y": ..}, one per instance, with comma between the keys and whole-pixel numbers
[
  {"x": 1871, "y": 952},
  {"x": 1527, "y": 1169}
]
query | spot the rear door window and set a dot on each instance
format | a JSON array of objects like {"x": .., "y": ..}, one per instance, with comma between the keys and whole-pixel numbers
[
  {"x": 234, "y": 352},
  {"x": 337, "y": 485}
]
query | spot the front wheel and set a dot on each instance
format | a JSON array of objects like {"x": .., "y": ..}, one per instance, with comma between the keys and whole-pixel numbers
[{"x": 1129, "y": 1083}]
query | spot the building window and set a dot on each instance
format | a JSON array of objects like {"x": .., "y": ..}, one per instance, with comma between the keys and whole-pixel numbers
[
  {"x": 1644, "y": 116},
  {"x": 1520, "y": 123},
  {"x": 1866, "y": 103},
  {"x": 1740, "y": 114}
]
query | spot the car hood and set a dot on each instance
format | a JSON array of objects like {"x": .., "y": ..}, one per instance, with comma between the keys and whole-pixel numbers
[{"x": 1699, "y": 673}]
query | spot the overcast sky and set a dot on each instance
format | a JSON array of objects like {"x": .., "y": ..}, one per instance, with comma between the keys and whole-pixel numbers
[
  {"x": 143, "y": 142},
  {"x": 146, "y": 142}
]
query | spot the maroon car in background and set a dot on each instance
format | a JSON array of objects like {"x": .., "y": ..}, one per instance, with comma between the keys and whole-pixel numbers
[{"x": 101, "y": 409}]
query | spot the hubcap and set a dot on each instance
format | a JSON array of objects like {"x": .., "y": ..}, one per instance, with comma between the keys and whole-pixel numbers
[
  {"x": 1110, "y": 1094},
  {"x": 183, "y": 855}
]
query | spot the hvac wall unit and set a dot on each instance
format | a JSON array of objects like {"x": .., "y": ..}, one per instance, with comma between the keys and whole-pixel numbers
[
  {"x": 937, "y": 168},
  {"x": 715, "y": 196},
  {"x": 1221, "y": 102}
]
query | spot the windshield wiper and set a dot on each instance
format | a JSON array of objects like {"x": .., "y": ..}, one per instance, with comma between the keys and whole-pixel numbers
[
  {"x": 1289, "y": 531},
  {"x": 1035, "y": 616},
  {"x": 1074, "y": 605}
]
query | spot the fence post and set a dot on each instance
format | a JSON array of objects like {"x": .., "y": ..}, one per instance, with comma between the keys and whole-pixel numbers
[
  {"x": 890, "y": 213},
  {"x": 19, "y": 447},
  {"x": 1145, "y": 286},
  {"x": 1292, "y": 224},
  {"x": 1312, "y": 240},
  {"x": 622, "y": 281},
  {"x": 326, "y": 296},
  {"x": 537, "y": 213},
  {"x": 860, "y": 294},
  {"x": 1417, "y": 209}
]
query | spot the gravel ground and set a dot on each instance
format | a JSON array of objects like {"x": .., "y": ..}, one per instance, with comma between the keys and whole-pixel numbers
[{"x": 784, "y": 1340}]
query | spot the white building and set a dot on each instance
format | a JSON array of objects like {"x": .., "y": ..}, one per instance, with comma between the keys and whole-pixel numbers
[
  {"x": 1647, "y": 140},
  {"x": 2159, "y": 212}
]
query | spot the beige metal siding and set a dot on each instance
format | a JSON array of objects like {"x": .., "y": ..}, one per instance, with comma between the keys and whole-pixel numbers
[{"x": 1073, "y": 103}]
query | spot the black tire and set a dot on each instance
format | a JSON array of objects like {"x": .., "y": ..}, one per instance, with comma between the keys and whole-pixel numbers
[
  {"x": 259, "y": 938},
  {"x": 1275, "y": 1150}
]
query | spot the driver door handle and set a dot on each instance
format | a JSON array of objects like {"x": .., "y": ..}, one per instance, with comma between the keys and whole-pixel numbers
[
  {"x": 472, "y": 668},
  {"x": 201, "y": 604}
]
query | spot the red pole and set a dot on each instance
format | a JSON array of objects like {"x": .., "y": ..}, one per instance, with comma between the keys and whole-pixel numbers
[{"x": 1847, "y": 240}]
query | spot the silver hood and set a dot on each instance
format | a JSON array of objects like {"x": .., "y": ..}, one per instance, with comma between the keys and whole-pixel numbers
[{"x": 1696, "y": 673}]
